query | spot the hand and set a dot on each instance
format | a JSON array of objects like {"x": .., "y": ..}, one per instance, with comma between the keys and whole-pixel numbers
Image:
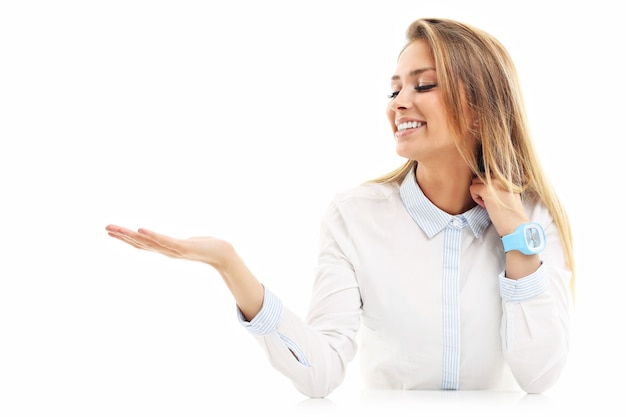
[
  {"x": 209, "y": 250},
  {"x": 247, "y": 290},
  {"x": 504, "y": 207}
]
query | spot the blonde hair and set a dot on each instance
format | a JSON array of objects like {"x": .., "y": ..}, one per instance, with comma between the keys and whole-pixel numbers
[{"x": 477, "y": 61}]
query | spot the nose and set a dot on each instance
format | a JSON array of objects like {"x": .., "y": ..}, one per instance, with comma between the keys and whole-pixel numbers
[{"x": 402, "y": 100}]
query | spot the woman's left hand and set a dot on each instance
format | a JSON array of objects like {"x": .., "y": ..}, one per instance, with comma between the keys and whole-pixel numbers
[{"x": 504, "y": 207}]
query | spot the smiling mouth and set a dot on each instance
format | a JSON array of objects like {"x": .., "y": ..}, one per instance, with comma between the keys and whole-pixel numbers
[{"x": 409, "y": 125}]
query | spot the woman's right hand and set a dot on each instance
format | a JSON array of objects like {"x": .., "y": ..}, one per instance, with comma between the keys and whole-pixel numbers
[
  {"x": 246, "y": 289},
  {"x": 209, "y": 250}
]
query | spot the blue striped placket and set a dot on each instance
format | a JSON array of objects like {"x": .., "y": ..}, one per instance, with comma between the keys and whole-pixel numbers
[
  {"x": 450, "y": 303},
  {"x": 432, "y": 221}
]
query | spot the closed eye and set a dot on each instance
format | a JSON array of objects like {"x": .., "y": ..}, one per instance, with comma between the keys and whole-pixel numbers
[
  {"x": 425, "y": 87},
  {"x": 419, "y": 88}
]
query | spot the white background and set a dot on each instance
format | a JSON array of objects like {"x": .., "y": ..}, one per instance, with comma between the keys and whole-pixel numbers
[{"x": 241, "y": 119}]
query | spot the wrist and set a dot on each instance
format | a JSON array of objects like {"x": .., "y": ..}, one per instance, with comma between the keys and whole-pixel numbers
[
  {"x": 224, "y": 258},
  {"x": 510, "y": 225},
  {"x": 519, "y": 265}
]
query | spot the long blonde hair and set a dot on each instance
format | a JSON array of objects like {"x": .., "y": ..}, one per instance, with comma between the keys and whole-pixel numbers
[{"x": 477, "y": 61}]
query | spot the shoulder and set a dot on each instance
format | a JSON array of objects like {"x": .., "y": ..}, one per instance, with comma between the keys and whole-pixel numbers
[
  {"x": 368, "y": 191},
  {"x": 365, "y": 201},
  {"x": 359, "y": 205}
]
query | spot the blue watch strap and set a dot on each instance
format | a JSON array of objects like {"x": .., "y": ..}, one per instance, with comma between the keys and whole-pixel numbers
[
  {"x": 528, "y": 238},
  {"x": 514, "y": 241}
]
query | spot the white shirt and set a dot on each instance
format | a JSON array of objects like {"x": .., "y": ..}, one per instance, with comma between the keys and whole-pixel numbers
[{"x": 424, "y": 296}]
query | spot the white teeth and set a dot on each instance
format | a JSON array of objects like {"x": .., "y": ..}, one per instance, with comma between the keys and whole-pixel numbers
[{"x": 409, "y": 125}]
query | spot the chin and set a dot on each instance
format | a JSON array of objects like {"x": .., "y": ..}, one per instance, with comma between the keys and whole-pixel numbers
[{"x": 403, "y": 152}]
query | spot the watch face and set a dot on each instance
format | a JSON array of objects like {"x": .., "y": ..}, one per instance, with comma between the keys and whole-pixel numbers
[
  {"x": 535, "y": 238},
  {"x": 528, "y": 238}
]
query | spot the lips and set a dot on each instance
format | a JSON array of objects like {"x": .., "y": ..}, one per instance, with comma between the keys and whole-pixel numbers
[{"x": 405, "y": 126}]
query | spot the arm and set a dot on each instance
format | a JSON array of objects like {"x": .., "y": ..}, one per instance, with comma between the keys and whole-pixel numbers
[
  {"x": 536, "y": 315},
  {"x": 315, "y": 352},
  {"x": 312, "y": 354},
  {"x": 506, "y": 212},
  {"x": 534, "y": 290}
]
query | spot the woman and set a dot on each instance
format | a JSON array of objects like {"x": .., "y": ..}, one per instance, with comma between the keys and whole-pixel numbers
[{"x": 455, "y": 271}]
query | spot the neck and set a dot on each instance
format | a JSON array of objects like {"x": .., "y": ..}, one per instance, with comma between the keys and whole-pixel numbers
[{"x": 448, "y": 189}]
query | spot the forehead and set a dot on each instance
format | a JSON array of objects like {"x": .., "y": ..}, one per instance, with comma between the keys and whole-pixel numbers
[{"x": 417, "y": 55}]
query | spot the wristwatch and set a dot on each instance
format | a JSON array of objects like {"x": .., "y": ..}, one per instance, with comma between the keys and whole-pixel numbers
[{"x": 528, "y": 238}]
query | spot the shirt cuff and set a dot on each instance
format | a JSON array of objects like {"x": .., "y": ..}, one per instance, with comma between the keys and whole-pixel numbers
[
  {"x": 524, "y": 289},
  {"x": 267, "y": 319}
]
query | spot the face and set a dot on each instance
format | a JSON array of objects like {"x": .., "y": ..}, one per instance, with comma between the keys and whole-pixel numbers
[{"x": 416, "y": 110}]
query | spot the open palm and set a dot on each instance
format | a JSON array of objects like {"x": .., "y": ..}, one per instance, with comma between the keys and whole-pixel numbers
[{"x": 210, "y": 250}]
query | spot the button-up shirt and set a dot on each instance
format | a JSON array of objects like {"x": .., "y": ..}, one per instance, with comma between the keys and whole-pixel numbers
[{"x": 424, "y": 296}]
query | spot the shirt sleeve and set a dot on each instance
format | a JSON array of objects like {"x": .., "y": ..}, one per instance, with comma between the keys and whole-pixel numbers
[
  {"x": 314, "y": 353},
  {"x": 536, "y": 319}
]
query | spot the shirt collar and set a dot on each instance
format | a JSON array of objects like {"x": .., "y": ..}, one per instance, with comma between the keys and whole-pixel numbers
[{"x": 430, "y": 218}]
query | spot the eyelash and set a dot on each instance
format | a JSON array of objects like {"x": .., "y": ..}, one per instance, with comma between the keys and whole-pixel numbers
[{"x": 418, "y": 88}]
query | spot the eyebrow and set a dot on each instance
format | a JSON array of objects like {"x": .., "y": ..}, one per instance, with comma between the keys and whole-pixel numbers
[{"x": 413, "y": 73}]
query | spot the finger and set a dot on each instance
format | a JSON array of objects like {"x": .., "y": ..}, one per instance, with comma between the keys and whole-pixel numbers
[
  {"x": 133, "y": 239},
  {"x": 147, "y": 245},
  {"x": 118, "y": 229},
  {"x": 476, "y": 190},
  {"x": 124, "y": 234},
  {"x": 142, "y": 239},
  {"x": 147, "y": 240},
  {"x": 171, "y": 244},
  {"x": 478, "y": 199},
  {"x": 125, "y": 239}
]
